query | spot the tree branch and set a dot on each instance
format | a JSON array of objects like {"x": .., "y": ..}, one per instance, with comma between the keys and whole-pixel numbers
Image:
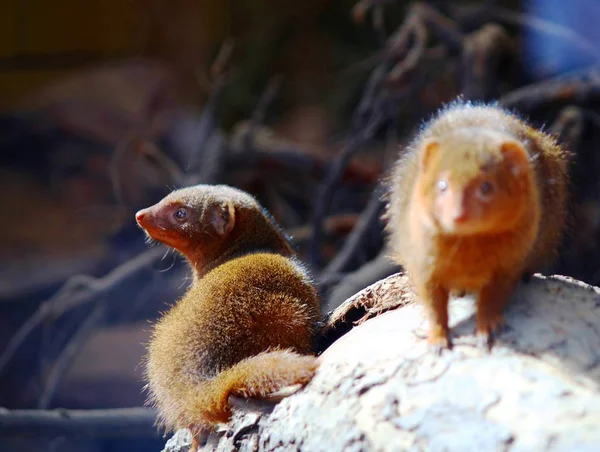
[
  {"x": 118, "y": 423},
  {"x": 69, "y": 353},
  {"x": 77, "y": 291},
  {"x": 579, "y": 87}
]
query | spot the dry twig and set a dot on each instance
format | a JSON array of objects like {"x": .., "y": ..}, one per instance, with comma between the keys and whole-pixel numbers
[
  {"x": 482, "y": 53},
  {"x": 372, "y": 112},
  {"x": 579, "y": 87},
  {"x": 258, "y": 117},
  {"x": 68, "y": 354},
  {"x": 115, "y": 423},
  {"x": 342, "y": 262},
  {"x": 79, "y": 290},
  {"x": 504, "y": 15}
]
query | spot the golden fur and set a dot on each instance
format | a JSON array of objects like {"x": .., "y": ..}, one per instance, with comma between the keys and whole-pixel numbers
[
  {"x": 245, "y": 327},
  {"x": 476, "y": 202}
]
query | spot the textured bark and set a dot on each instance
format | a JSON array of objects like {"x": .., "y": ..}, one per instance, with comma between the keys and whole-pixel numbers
[{"x": 379, "y": 389}]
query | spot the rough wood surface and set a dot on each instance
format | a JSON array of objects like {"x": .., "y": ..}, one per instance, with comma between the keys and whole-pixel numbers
[{"x": 378, "y": 389}]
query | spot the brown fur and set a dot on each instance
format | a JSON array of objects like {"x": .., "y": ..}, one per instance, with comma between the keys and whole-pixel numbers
[
  {"x": 457, "y": 235},
  {"x": 245, "y": 327}
]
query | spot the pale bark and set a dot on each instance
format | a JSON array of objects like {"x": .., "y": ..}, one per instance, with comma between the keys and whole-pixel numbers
[{"x": 378, "y": 389}]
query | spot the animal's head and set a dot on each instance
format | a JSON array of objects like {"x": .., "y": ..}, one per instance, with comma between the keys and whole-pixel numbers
[
  {"x": 474, "y": 180},
  {"x": 206, "y": 222},
  {"x": 193, "y": 217}
]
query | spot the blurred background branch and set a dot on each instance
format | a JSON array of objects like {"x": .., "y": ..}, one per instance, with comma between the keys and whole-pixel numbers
[{"x": 105, "y": 108}]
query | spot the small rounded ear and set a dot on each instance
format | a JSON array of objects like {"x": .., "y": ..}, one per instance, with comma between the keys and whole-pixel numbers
[
  {"x": 223, "y": 218},
  {"x": 515, "y": 156},
  {"x": 429, "y": 149}
]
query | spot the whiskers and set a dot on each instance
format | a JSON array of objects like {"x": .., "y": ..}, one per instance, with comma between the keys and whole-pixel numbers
[
  {"x": 168, "y": 251},
  {"x": 185, "y": 280}
]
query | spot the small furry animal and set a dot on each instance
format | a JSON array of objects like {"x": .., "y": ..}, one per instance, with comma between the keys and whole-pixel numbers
[
  {"x": 246, "y": 325},
  {"x": 476, "y": 203}
]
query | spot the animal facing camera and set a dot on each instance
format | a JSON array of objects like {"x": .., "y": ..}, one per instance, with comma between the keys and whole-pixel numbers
[
  {"x": 430, "y": 147},
  {"x": 515, "y": 157}
]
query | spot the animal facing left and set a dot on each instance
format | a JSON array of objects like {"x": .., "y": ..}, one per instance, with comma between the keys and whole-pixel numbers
[{"x": 246, "y": 325}]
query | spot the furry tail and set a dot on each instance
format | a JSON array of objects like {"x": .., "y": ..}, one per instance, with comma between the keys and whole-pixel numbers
[{"x": 254, "y": 377}]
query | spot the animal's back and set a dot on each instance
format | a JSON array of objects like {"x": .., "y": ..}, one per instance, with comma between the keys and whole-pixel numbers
[{"x": 238, "y": 310}]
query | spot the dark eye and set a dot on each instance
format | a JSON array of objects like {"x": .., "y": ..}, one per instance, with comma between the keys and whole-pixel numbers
[
  {"x": 442, "y": 185},
  {"x": 180, "y": 214},
  {"x": 486, "y": 188}
]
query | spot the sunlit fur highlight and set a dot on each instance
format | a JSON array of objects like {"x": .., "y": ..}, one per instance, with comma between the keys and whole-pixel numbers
[
  {"x": 246, "y": 325},
  {"x": 497, "y": 240}
]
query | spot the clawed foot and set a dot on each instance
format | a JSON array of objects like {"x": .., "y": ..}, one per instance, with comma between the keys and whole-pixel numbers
[
  {"x": 282, "y": 393},
  {"x": 198, "y": 439},
  {"x": 263, "y": 404},
  {"x": 487, "y": 330},
  {"x": 438, "y": 340}
]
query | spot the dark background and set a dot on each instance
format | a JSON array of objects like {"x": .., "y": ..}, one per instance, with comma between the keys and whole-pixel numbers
[{"x": 107, "y": 106}]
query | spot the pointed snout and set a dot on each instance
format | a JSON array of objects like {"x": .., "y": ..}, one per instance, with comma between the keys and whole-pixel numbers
[
  {"x": 141, "y": 216},
  {"x": 454, "y": 212},
  {"x": 460, "y": 214},
  {"x": 455, "y": 220}
]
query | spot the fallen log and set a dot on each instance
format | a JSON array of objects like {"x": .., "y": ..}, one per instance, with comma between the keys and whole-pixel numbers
[{"x": 379, "y": 389}]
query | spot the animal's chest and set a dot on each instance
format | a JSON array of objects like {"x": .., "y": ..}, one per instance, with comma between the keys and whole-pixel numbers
[{"x": 468, "y": 263}]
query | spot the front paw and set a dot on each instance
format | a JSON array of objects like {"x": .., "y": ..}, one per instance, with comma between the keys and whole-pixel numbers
[
  {"x": 488, "y": 327},
  {"x": 438, "y": 340}
]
